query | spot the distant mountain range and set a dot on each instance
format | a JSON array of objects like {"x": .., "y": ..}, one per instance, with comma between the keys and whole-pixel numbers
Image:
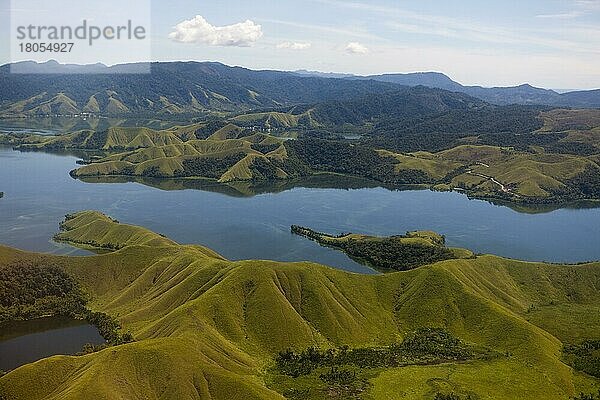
[
  {"x": 207, "y": 87},
  {"x": 523, "y": 94}
]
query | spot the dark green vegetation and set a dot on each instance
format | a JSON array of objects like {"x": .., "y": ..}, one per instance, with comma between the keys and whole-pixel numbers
[
  {"x": 33, "y": 289},
  {"x": 394, "y": 253},
  {"x": 171, "y": 88},
  {"x": 583, "y": 396},
  {"x": 349, "y": 158},
  {"x": 202, "y": 331},
  {"x": 584, "y": 356},
  {"x": 345, "y": 372},
  {"x": 423, "y": 346}
]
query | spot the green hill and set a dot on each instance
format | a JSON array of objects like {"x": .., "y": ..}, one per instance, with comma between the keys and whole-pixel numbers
[
  {"x": 115, "y": 138},
  {"x": 247, "y": 158},
  {"x": 206, "y": 327},
  {"x": 97, "y": 231}
]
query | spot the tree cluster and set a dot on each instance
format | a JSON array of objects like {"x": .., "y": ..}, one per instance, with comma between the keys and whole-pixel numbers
[
  {"x": 210, "y": 167},
  {"x": 422, "y": 346},
  {"x": 584, "y": 356}
]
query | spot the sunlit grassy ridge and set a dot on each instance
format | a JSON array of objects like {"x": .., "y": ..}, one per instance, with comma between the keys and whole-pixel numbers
[
  {"x": 114, "y": 138},
  {"x": 225, "y": 159},
  {"x": 96, "y": 230},
  {"x": 206, "y": 327},
  {"x": 523, "y": 174}
]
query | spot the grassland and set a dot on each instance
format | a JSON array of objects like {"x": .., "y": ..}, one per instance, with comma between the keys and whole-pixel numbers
[{"x": 206, "y": 327}]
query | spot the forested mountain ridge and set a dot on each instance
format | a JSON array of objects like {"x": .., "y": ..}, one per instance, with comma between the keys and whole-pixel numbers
[
  {"x": 524, "y": 94},
  {"x": 400, "y": 104},
  {"x": 209, "y": 87},
  {"x": 170, "y": 88}
]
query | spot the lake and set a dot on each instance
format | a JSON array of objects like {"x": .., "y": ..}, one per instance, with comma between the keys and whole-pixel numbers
[
  {"x": 22, "y": 342},
  {"x": 39, "y": 192}
]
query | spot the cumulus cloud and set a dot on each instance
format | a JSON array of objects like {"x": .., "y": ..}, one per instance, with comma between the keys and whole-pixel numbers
[
  {"x": 356, "y": 48},
  {"x": 198, "y": 30},
  {"x": 294, "y": 45}
]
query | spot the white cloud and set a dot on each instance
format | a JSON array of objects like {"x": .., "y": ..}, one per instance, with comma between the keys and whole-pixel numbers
[
  {"x": 198, "y": 30},
  {"x": 294, "y": 45},
  {"x": 572, "y": 14},
  {"x": 356, "y": 48}
]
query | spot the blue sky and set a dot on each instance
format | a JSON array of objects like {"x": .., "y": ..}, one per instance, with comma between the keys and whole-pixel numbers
[{"x": 548, "y": 43}]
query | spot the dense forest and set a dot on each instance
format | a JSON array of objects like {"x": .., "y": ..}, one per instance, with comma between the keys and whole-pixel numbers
[
  {"x": 30, "y": 290},
  {"x": 585, "y": 185},
  {"x": 466, "y": 122},
  {"x": 584, "y": 356},
  {"x": 583, "y": 396},
  {"x": 350, "y": 158},
  {"x": 424, "y": 345},
  {"x": 206, "y": 167},
  {"x": 391, "y": 253}
]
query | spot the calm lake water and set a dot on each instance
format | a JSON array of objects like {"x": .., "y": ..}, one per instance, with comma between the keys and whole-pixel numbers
[
  {"x": 39, "y": 191},
  {"x": 23, "y": 342}
]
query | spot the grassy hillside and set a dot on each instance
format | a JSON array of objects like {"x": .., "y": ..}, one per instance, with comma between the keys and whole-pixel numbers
[
  {"x": 97, "y": 231},
  {"x": 247, "y": 158},
  {"x": 206, "y": 327},
  {"x": 115, "y": 138},
  {"x": 515, "y": 174}
]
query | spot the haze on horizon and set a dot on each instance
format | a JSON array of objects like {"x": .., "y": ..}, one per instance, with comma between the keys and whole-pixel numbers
[{"x": 547, "y": 43}]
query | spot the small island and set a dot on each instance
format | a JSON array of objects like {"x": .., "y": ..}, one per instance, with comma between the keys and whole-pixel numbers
[{"x": 393, "y": 253}]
